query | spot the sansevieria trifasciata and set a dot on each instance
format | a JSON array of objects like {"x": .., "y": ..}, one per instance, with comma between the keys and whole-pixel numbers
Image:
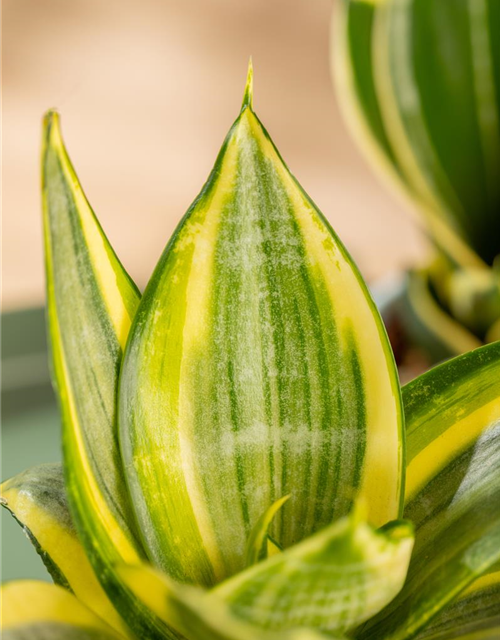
[{"x": 234, "y": 447}]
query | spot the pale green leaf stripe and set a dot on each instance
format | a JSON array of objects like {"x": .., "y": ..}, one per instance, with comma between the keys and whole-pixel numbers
[
  {"x": 352, "y": 65},
  {"x": 453, "y": 488},
  {"x": 333, "y": 581},
  {"x": 401, "y": 108},
  {"x": 365, "y": 95},
  {"x": 37, "y": 500},
  {"x": 257, "y": 367},
  {"x": 475, "y": 615},
  {"x": 91, "y": 302},
  {"x": 40, "y": 611},
  {"x": 90, "y": 305},
  {"x": 197, "y": 614},
  {"x": 454, "y": 160},
  {"x": 258, "y": 543}
]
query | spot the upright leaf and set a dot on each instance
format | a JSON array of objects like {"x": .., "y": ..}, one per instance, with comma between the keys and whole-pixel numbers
[
  {"x": 40, "y": 611},
  {"x": 331, "y": 582},
  {"x": 452, "y": 488},
  {"x": 257, "y": 367},
  {"x": 90, "y": 305},
  {"x": 360, "y": 61},
  {"x": 37, "y": 500},
  {"x": 258, "y": 542},
  {"x": 437, "y": 67}
]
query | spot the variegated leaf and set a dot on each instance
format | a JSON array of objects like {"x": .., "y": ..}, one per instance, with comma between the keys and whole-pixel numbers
[
  {"x": 474, "y": 615},
  {"x": 438, "y": 70},
  {"x": 452, "y": 488},
  {"x": 428, "y": 324},
  {"x": 258, "y": 542},
  {"x": 333, "y": 581},
  {"x": 369, "y": 58},
  {"x": 91, "y": 302},
  {"x": 37, "y": 500},
  {"x": 197, "y": 614},
  {"x": 40, "y": 611},
  {"x": 257, "y": 367}
]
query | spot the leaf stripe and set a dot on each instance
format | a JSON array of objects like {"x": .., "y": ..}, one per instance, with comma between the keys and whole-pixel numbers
[
  {"x": 362, "y": 55},
  {"x": 484, "y": 92},
  {"x": 48, "y": 612},
  {"x": 260, "y": 344},
  {"x": 84, "y": 277},
  {"x": 454, "y": 502},
  {"x": 37, "y": 500}
]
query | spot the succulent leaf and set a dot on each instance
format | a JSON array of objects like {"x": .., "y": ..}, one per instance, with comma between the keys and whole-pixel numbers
[
  {"x": 374, "y": 71},
  {"x": 428, "y": 324},
  {"x": 258, "y": 543},
  {"x": 41, "y": 611},
  {"x": 332, "y": 582},
  {"x": 257, "y": 366},
  {"x": 91, "y": 302},
  {"x": 452, "y": 488},
  {"x": 474, "y": 615},
  {"x": 37, "y": 500},
  {"x": 197, "y": 614}
]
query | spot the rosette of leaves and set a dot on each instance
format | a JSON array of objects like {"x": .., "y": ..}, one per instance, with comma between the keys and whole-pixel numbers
[
  {"x": 419, "y": 85},
  {"x": 236, "y": 464}
]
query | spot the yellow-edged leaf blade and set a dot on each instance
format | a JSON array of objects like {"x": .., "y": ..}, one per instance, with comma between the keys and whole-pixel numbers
[
  {"x": 257, "y": 366},
  {"x": 452, "y": 489},
  {"x": 197, "y": 614},
  {"x": 38, "y": 610},
  {"x": 37, "y": 500},
  {"x": 332, "y": 582},
  {"x": 91, "y": 302}
]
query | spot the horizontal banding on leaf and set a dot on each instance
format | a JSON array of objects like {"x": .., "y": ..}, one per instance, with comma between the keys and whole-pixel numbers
[{"x": 257, "y": 366}]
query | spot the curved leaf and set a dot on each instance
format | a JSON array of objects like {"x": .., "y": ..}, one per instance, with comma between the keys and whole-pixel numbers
[
  {"x": 257, "y": 366},
  {"x": 474, "y": 615},
  {"x": 37, "y": 500},
  {"x": 40, "y": 611},
  {"x": 259, "y": 544},
  {"x": 359, "y": 60},
  {"x": 90, "y": 305},
  {"x": 196, "y": 613},
  {"x": 331, "y": 582},
  {"x": 436, "y": 66},
  {"x": 452, "y": 488},
  {"x": 474, "y": 298},
  {"x": 429, "y": 325}
]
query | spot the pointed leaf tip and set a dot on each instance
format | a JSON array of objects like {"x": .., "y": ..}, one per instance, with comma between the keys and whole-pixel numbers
[
  {"x": 248, "y": 95},
  {"x": 51, "y": 127}
]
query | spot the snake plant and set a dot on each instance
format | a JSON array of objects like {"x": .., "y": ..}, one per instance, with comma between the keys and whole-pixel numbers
[
  {"x": 236, "y": 465},
  {"x": 419, "y": 83}
]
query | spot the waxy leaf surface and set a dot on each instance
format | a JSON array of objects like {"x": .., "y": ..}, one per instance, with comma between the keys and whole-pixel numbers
[
  {"x": 257, "y": 367},
  {"x": 431, "y": 129},
  {"x": 452, "y": 488},
  {"x": 259, "y": 544},
  {"x": 332, "y": 582},
  {"x": 37, "y": 500},
  {"x": 474, "y": 615},
  {"x": 197, "y": 614},
  {"x": 90, "y": 305},
  {"x": 40, "y": 611}
]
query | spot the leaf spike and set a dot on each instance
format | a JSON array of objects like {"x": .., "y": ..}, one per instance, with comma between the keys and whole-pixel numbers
[
  {"x": 248, "y": 95},
  {"x": 51, "y": 123}
]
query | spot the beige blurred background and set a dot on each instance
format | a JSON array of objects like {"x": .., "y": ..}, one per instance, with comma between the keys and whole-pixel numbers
[{"x": 147, "y": 90}]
